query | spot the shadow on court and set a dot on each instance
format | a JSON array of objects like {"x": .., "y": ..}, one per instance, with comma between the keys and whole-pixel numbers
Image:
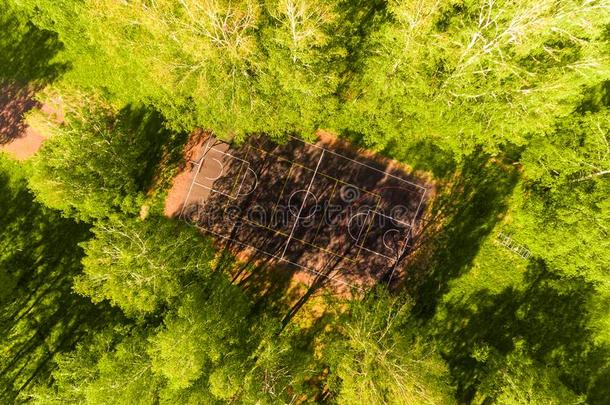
[{"x": 347, "y": 219}]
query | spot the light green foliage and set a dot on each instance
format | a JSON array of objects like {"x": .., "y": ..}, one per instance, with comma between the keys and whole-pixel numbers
[
  {"x": 206, "y": 337},
  {"x": 566, "y": 197},
  {"x": 140, "y": 264},
  {"x": 299, "y": 72},
  {"x": 378, "y": 358},
  {"x": 518, "y": 380},
  {"x": 506, "y": 101},
  {"x": 561, "y": 212},
  {"x": 469, "y": 74},
  {"x": 124, "y": 376},
  {"x": 89, "y": 167},
  {"x": 284, "y": 366},
  {"x": 574, "y": 151},
  {"x": 103, "y": 371},
  {"x": 203, "y": 63},
  {"x": 102, "y": 159}
]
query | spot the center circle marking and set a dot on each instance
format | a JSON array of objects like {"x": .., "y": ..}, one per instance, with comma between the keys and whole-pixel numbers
[{"x": 294, "y": 208}]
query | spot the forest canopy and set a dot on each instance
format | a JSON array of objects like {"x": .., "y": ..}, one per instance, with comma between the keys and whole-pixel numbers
[{"x": 504, "y": 105}]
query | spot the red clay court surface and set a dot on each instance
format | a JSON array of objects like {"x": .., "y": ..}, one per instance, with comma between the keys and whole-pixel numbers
[{"x": 331, "y": 212}]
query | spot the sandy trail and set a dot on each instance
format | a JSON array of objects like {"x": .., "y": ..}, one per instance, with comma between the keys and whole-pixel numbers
[{"x": 16, "y": 137}]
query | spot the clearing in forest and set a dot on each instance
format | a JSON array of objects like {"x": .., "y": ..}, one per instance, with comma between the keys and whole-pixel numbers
[
  {"x": 323, "y": 208},
  {"x": 17, "y": 138}
]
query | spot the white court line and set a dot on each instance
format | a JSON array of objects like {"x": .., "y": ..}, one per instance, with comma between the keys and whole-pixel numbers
[
  {"x": 376, "y": 253},
  {"x": 216, "y": 191},
  {"x": 241, "y": 183},
  {"x": 333, "y": 278},
  {"x": 349, "y": 223},
  {"x": 222, "y": 170},
  {"x": 200, "y": 163},
  {"x": 361, "y": 245},
  {"x": 296, "y": 221},
  {"x": 410, "y": 235},
  {"x": 228, "y": 154},
  {"x": 244, "y": 178},
  {"x": 389, "y": 217},
  {"x": 360, "y": 163},
  {"x": 238, "y": 194},
  {"x": 195, "y": 175}
]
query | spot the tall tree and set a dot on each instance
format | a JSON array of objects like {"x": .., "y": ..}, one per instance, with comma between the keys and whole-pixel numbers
[
  {"x": 89, "y": 166},
  {"x": 100, "y": 160},
  {"x": 565, "y": 197},
  {"x": 109, "y": 368},
  {"x": 40, "y": 315},
  {"x": 299, "y": 74},
  {"x": 207, "y": 336},
  {"x": 377, "y": 356},
  {"x": 234, "y": 67},
  {"x": 517, "y": 379},
  {"x": 465, "y": 74},
  {"x": 139, "y": 265}
]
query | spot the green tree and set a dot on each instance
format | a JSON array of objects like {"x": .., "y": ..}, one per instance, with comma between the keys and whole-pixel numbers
[
  {"x": 564, "y": 196},
  {"x": 206, "y": 337},
  {"x": 139, "y": 265},
  {"x": 378, "y": 357},
  {"x": 465, "y": 74},
  {"x": 299, "y": 74},
  {"x": 90, "y": 165},
  {"x": 285, "y": 366},
  {"x": 233, "y": 67},
  {"x": 110, "y": 368},
  {"x": 39, "y": 313},
  {"x": 517, "y": 379},
  {"x": 101, "y": 159}
]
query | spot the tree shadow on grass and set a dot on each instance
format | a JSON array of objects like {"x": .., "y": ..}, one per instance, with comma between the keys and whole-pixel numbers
[
  {"x": 160, "y": 148},
  {"x": 467, "y": 209},
  {"x": 421, "y": 155},
  {"x": 27, "y": 52},
  {"x": 27, "y": 63},
  {"x": 40, "y": 315},
  {"x": 550, "y": 315}
]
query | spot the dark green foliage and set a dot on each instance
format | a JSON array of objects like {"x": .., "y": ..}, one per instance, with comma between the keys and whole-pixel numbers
[
  {"x": 40, "y": 315},
  {"x": 27, "y": 52},
  {"x": 546, "y": 322},
  {"x": 111, "y": 367},
  {"x": 463, "y": 215}
]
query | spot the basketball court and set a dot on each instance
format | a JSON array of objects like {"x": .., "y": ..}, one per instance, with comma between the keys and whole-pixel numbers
[{"x": 328, "y": 211}]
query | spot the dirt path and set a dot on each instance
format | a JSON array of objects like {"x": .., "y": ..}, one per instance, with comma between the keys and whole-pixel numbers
[
  {"x": 180, "y": 186},
  {"x": 16, "y": 137}
]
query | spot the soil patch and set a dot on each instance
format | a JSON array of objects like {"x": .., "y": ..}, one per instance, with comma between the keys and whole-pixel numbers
[
  {"x": 16, "y": 137},
  {"x": 180, "y": 185}
]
